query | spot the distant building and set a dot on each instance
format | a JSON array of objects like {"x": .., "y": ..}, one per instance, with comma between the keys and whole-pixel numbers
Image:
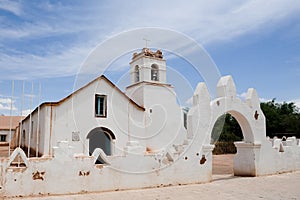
[{"x": 8, "y": 124}]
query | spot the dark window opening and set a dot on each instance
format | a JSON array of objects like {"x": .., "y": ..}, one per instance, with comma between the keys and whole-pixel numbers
[
  {"x": 100, "y": 105},
  {"x": 185, "y": 113},
  {"x": 3, "y": 138},
  {"x": 154, "y": 73},
  {"x": 137, "y": 73},
  {"x": 31, "y": 133}
]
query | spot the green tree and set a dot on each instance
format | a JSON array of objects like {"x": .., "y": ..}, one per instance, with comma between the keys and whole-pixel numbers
[
  {"x": 281, "y": 118},
  {"x": 227, "y": 129}
]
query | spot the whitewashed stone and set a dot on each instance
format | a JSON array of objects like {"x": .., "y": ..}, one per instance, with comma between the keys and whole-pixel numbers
[{"x": 226, "y": 87}]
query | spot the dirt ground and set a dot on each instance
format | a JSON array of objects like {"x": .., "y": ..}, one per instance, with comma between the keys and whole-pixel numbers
[
  {"x": 224, "y": 186},
  {"x": 223, "y": 164}
]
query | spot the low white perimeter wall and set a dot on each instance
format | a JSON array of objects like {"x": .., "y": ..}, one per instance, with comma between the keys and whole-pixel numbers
[
  {"x": 64, "y": 174},
  {"x": 266, "y": 158}
]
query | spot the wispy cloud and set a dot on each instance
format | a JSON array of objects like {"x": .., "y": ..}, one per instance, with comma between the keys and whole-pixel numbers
[
  {"x": 264, "y": 99},
  {"x": 11, "y": 6},
  {"x": 208, "y": 22},
  {"x": 5, "y": 100},
  {"x": 26, "y": 112},
  {"x": 242, "y": 95},
  {"x": 30, "y": 66},
  {"x": 59, "y": 36},
  {"x": 189, "y": 102},
  {"x": 7, "y": 104}
]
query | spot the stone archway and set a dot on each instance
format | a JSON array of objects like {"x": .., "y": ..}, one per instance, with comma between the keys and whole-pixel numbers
[
  {"x": 242, "y": 119},
  {"x": 102, "y": 138},
  {"x": 204, "y": 114},
  {"x": 248, "y": 113},
  {"x": 225, "y": 132},
  {"x": 250, "y": 118},
  {"x": 225, "y": 150}
]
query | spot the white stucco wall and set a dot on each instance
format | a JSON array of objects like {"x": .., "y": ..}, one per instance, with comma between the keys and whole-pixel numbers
[
  {"x": 188, "y": 161},
  {"x": 163, "y": 119},
  {"x": 38, "y": 141},
  {"x": 77, "y": 114},
  {"x": 79, "y": 174}
]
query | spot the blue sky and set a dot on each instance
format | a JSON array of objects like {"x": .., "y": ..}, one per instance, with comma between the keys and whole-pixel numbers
[{"x": 45, "y": 43}]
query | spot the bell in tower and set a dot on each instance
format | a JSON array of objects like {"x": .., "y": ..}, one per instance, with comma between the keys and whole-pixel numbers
[
  {"x": 148, "y": 66},
  {"x": 148, "y": 77}
]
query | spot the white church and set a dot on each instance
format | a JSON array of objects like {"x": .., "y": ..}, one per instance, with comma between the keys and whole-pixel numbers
[{"x": 99, "y": 115}]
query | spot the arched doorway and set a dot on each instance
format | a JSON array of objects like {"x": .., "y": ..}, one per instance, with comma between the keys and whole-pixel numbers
[
  {"x": 245, "y": 160},
  {"x": 102, "y": 138},
  {"x": 225, "y": 132},
  {"x": 205, "y": 112}
]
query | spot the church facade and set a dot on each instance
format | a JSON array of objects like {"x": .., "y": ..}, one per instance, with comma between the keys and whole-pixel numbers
[{"x": 100, "y": 115}]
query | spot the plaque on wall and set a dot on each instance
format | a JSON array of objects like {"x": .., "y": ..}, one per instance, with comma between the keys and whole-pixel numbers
[{"x": 75, "y": 136}]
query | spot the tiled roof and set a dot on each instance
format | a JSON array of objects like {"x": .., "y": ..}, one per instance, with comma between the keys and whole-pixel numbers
[{"x": 5, "y": 122}]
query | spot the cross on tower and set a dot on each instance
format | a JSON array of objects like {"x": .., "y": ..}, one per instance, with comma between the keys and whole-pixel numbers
[{"x": 146, "y": 40}]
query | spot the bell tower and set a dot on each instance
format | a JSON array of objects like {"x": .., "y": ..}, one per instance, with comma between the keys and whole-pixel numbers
[
  {"x": 148, "y": 78},
  {"x": 148, "y": 88},
  {"x": 148, "y": 66}
]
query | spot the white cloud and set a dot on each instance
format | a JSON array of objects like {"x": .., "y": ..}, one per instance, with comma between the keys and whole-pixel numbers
[
  {"x": 6, "y": 107},
  {"x": 189, "y": 101},
  {"x": 211, "y": 21},
  {"x": 242, "y": 95},
  {"x": 297, "y": 102},
  {"x": 7, "y": 104},
  {"x": 264, "y": 99},
  {"x": 28, "y": 65},
  {"x": 5, "y": 100},
  {"x": 207, "y": 22},
  {"x": 11, "y": 6},
  {"x": 26, "y": 112}
]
